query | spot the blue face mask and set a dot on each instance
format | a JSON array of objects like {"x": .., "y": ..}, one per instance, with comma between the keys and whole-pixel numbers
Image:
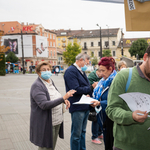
[
  {"x": 46, "y": 75},
  {"x": 84, "y": 68}
]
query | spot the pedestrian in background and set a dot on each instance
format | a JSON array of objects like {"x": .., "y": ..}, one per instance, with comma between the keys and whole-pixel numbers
[
  {"x": 97, "y": 134},
  {"x": 46, "y": 118},
  {"x": 122, "y": 65},
  {"x": 129, "y": 127},
  {"x": 75, "y": 78},
  {"x": 56, "y": 71},
  {"x": 108, "y": 72}
]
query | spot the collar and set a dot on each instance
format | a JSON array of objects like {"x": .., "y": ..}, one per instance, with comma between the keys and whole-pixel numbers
[
  {"x": 78, "y": 68},
  {"x": 141, "y": 73},
  {"x": 45, "y": 81}
]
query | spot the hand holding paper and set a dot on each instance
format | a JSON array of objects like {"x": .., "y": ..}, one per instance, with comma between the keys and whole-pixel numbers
[
  {"x": 85, "y": 100},
  {"x": 139, "y": 103}
]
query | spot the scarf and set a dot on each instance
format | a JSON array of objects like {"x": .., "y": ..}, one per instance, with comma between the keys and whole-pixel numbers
[{"x": 102, "y": 84}]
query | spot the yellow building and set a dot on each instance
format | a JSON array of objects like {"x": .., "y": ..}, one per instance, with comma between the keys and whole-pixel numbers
[
  {"x": 126, "y": 44},
  {"x": 63, "y": 35}
]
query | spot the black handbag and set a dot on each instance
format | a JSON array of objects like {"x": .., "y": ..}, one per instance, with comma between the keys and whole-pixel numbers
[{"x": 92, "y": 115}]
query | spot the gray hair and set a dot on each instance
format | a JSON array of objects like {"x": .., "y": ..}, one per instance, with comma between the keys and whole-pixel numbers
[
  {"x": 83, "y": 56},
  {"x": 122, "y": 63}
]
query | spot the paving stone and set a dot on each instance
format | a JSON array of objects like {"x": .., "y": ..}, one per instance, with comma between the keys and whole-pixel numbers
[
  {"x": 6, "y": 144},
  {"x": 15, "y": 115}
]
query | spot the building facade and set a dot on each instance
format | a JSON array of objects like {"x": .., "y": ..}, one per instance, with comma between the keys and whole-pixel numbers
[
  {"x": 90, "y": 41},
  {"x": 36, "y": 42},
  {"x": 125, "y": 44}
]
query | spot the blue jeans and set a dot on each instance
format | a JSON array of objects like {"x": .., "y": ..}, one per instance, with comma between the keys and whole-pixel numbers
[
  {"x": 96, "y": 131},
  {"x": 78, "y": 130}
]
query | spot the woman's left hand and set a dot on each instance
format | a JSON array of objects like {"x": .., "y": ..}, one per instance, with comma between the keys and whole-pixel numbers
[
  {"x": 95, "y": 103},
  {"x": 67, "y": 104}
]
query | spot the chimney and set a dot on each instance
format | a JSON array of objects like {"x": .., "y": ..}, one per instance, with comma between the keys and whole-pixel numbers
[
  {"x": 22, "y": 23},
  {"x": 27, "y": 23},
  {"x": 81, "y": 28}
]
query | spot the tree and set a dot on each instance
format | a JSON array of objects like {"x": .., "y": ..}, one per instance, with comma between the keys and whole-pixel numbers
[
  {"x": 138, "y": 47},
  {"x": 94, "y": 61},
  {"x": 106, "y": 53},
  {"x": 72, "y": 50},
  {"x": 3, "y": 49},
  {"x": 11, "y": 57}
]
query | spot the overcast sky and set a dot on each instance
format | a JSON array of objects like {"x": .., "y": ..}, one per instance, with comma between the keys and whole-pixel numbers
[{"x": 67, "y": 14}]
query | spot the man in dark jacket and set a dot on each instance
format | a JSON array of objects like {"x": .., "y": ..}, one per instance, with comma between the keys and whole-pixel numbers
[{"x": 75, "y": 78}]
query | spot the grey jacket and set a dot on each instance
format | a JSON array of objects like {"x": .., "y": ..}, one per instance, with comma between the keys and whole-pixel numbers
[{"x": 41, "y": 115}]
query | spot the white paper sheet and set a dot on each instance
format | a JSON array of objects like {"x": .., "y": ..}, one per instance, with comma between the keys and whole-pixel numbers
[
  {"x": 85, "y": 100},
  {"x": 137, "y": 101}
]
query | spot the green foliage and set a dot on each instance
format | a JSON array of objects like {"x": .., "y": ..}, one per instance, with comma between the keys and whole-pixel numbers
[
  {"x": 138, "y": 47},
  {"x": 71, "y": 52},
  {"x": 2, "y": 64},
  {"x": 106, "y": 53},
  {"x": 94, "y": 61},
  {"x": 11, "y": 57}
]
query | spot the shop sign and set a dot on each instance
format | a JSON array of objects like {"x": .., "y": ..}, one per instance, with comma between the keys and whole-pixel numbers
[{"x": 27, "y": 28}]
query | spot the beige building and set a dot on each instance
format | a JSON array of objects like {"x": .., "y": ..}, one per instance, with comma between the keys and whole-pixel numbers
[{"x": 90, "y": 41}]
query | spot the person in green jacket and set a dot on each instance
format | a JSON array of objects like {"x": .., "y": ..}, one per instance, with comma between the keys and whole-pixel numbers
[
  {"x": 95, "y": 76},
  {"x": 131, "y": 131}
]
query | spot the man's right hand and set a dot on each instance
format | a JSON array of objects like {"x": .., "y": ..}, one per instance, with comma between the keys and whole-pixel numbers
[{"x": 139, "y": 118}]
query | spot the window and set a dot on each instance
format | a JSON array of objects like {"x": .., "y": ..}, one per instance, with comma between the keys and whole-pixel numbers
[
  {"x": 92, "y": 44},
  {"x": 54, "y": 44},
  {"x": 53, "y": 36},
  {"x": 64, "y": 48},
  {"x": 43, "y": 33},
  {"x": 58, "y": 44},
  {"x": 64, "y": 44},
  {"x": 50, "y": 43},
  {"x": 114, "y": 53},
  {"x": 50, "y": 36},
  {"x": 54, "y": 53},
  {"x": 58, "y": 39},
  {"x": 99, "y": 54},
  {"x": 106, "y": 43},
  {"x": 98, "y": 43},
  {"x": 84, "y": 45},
  {"x": 64, "y": 39},
  {"x": 113, "y": 43},
  {"x": 92, "y": 54},
  {"x": 51, "y": 53},
  {"x": 63, "y": 33}
]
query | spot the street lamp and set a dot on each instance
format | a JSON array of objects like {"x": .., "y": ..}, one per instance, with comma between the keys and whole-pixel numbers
[
  {"x": 22, "y": 53},
  {"x": 108, "y": 35},
  {"x": 121, "y": 47},
  {"x": 100, "y": 41}
]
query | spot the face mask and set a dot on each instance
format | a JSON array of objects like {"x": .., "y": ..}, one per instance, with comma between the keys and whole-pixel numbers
[
  {"x": 46, "y": 75},
  {"x": 84, "y": 68}
]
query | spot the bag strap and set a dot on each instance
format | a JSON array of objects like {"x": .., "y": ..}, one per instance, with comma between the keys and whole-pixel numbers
[{"x": 129, "y": 79}]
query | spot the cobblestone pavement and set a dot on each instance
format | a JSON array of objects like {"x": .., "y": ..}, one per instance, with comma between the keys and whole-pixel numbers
[{"x": 15, "y": 113}]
